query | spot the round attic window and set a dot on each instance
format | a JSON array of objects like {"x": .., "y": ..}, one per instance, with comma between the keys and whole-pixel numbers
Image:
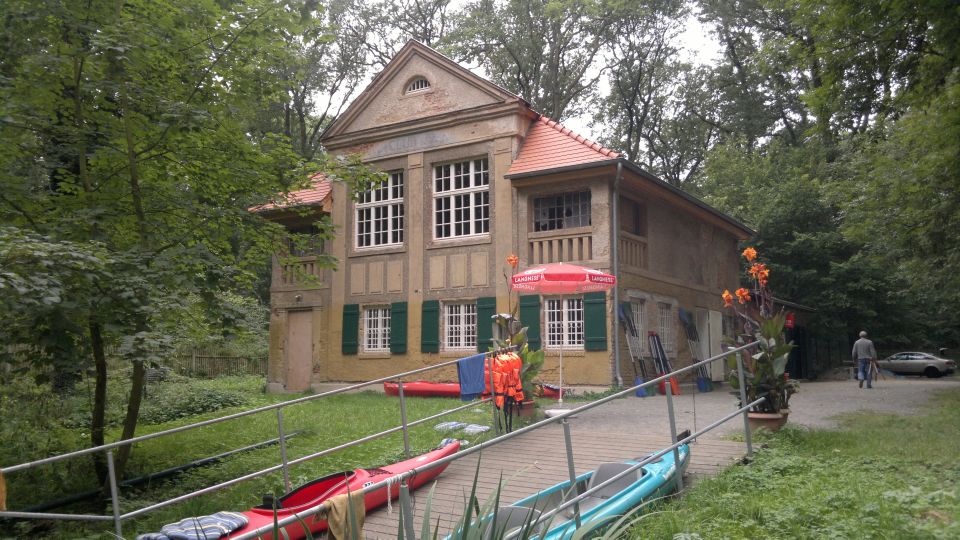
[{"x": 418, "y": 84}]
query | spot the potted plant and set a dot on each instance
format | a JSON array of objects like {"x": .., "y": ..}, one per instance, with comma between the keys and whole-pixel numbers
[{"x": 764, "y": 366}]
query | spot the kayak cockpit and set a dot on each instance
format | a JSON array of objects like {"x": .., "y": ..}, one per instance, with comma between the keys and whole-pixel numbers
[{"x": 307, "y": 495}]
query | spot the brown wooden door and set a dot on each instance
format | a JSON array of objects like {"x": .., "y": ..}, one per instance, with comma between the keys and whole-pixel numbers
[{"x": 299, "y": 350}]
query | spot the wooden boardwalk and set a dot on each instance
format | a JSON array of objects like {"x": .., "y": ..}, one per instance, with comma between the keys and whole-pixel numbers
[{"x": 537, "y": 460}]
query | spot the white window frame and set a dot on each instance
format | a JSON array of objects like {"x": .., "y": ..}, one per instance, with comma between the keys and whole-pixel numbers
[
  {"x": 638, "y": 312},
  {"x": 460, "y": 326},
  {"x": 461, "y": 199},
  {"x": 379, "y": 213},
  {"x": 666, "y": 326},
  {"x": 564, "y": 324},
  {"x": 376, "y": 329}
]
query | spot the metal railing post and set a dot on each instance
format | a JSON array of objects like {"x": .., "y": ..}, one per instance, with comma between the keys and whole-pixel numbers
[
  {"x": 407, "y": 510},
  {"x": 283, "y": 450},
  {"x": 114, "y": 495},
  {"x": 570, "y": 468},
  {"x": 743, "y": 401},
  {"x": 673, "y": 433},
  {"x": 403, "y": 420}
]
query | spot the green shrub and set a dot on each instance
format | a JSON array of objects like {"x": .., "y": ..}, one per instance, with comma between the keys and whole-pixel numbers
[{"x": 173, "y": 402}]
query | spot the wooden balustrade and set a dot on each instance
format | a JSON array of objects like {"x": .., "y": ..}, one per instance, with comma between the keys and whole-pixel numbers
[
  {"x": 633, "y": 251},
  {"x": 560, "y": 248},
  {"x": 302, "y": 272}
]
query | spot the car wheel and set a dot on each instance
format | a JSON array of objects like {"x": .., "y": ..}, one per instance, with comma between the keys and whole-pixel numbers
[{"x": 931, "y": 372}]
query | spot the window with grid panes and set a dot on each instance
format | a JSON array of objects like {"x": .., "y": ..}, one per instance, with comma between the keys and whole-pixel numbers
[
  {"x": 564, "y": 321},
  {"x": 460, "y": 326},
  {"x": 379, "y": 214},
  {"x": 638, "y": 311},
  {"x": 461, "y": 199},
  {"x": 665, "y": 325},
  {"x": 563, "y": 211},
  {"x": 376, "y": 329}
]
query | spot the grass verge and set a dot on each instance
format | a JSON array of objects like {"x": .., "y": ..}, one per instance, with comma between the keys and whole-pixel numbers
[
  {"x": 321, "y": 424},
  {"x": 879, "y": 476}
]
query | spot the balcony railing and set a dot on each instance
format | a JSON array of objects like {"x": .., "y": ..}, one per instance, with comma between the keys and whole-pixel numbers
[
  {"x": 633, "y": 251},
  {"x": 560, "y": 247},
  {"x": 299, "y": 272}
]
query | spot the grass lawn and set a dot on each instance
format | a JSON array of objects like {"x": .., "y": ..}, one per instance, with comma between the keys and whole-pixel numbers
[
  {"x": 880, "y": 476},
  {"x": 321, "y": 424}
]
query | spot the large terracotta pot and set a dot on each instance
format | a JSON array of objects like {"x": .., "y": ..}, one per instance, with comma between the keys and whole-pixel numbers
[
  {"x": 770, "y": 421},
  {"x": 529, "y": 408}
]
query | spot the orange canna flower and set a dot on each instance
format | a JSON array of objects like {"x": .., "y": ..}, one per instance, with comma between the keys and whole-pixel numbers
[
  {"x": 757, "y": 268},
  {"x": 750, "y": 254},
  {"x": 513, "y": 260},
  {"x": 743, "y": 295},
  {"x": 727, "y": 298}
]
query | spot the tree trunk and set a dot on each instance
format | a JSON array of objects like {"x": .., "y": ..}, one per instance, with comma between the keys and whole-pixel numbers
[{"x": 99, "y": 400}]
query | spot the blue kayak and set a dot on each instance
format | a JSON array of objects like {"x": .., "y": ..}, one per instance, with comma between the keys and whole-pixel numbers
[{"x": 604, "y": 507}]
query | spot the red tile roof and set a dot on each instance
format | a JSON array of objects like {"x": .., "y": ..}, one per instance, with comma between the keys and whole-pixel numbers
[
  {"x": 311, "y": 196},
  {"x": 549, "y": 145}
]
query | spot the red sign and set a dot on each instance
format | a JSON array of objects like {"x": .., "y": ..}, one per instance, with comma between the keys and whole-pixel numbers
[{"x": 789, "y": 322}]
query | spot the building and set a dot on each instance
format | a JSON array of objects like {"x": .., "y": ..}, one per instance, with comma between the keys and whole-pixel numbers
[{"x": 476, "y": 175}]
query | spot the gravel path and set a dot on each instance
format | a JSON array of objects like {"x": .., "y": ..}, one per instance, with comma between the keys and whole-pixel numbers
[{"x": 816, "y": 405}]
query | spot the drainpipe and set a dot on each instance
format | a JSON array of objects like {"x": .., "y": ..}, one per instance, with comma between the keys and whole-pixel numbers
[{"x": 615, "y": 251}]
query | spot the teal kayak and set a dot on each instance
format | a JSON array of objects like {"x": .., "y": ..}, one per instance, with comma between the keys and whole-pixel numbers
[{"x": 653, "y": 480}]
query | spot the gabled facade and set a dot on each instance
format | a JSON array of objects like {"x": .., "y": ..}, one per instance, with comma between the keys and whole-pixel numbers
[{"x": 476, "y": 175}]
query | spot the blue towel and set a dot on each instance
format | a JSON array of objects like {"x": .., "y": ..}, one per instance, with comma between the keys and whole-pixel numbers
[
  {"x": 199, "y": 528},
  {"x": 470, "y": 372}
]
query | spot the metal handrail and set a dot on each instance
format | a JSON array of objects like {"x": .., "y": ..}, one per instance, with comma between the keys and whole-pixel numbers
[
  {"x": 141, "y": 438},
  {"x": 507, "y": 436},
  {"x": 561, "y": 418}
]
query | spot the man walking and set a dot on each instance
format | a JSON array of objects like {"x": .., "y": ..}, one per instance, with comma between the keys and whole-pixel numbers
[{"x": 863, "y": 354}]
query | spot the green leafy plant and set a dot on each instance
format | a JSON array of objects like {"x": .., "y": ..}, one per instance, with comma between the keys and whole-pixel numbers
[
  {"x": 516, "y": 333},
  {"x": 765, "y": 370}
]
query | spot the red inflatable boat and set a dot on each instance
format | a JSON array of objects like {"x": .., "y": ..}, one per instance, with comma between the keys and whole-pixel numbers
[
  {"x": 313, "y": 493},
  {"x": 423, "y": 389}
]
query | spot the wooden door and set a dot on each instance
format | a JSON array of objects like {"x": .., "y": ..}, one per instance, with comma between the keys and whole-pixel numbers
[{"x": 299, "y": 350}]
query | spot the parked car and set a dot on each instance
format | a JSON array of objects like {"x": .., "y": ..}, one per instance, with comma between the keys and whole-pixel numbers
[{"x": 918, "y": 363}]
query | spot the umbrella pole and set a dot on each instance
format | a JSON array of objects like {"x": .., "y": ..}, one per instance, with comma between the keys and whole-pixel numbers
[{"x": 563, "y": 337}]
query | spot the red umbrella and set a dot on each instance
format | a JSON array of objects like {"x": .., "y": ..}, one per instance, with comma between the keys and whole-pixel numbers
[{"x": 561, "y": 279}]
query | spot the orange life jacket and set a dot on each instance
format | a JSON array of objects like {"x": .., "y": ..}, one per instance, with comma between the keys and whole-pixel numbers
[{"x": 506, "y": 377}]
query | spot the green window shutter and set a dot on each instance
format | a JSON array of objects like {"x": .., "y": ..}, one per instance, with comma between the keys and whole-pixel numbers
[
  {"x": 398, "y": 327},
  {"x": 595, "y": 321},
  {"x": 351, "y": 328},
  {"x": 530, "y": 317},
  {"x": 486, "y": 309},
  {"x": 430, "y": 326}
]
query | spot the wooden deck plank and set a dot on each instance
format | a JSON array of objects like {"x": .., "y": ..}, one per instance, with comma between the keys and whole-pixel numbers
[{"x": 535, "y": 461}]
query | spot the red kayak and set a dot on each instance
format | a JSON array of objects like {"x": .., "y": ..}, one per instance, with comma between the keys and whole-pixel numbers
[
  {"x": 313, "y": 493},
  {"x": 423, "y": 389}
]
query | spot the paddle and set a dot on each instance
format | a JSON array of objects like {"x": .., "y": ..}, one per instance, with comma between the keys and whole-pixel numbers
[{"x": 662, "y": 364}]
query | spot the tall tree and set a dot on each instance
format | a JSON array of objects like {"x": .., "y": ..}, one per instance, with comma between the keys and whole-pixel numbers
[
  {"x": 389, "y": 24},
  {"x": 129, "y": 148},
  {"x": 657, "y": 106},
  {"x": 542, "y": 50}
]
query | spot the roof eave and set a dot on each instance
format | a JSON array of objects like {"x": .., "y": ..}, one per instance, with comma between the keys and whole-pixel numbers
[{"x": 747, "y": 231}]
